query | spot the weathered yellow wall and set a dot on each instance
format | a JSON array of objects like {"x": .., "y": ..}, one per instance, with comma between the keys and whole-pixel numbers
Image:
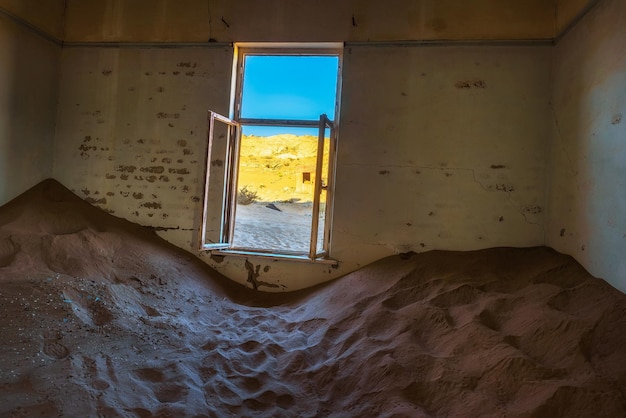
[
  {"x": 588, "y": 154},
  {"x": 440, "y": 147},
  {"x": 305, "y": 20},
  {"x": 131, "y": 131},
  {"x": 46, "y": 15}
]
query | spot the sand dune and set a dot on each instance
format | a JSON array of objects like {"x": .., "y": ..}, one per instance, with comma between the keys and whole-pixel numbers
[{"x": 100, "y": 317}]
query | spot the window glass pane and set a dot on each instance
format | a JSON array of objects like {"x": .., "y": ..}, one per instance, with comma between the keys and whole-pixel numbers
[
  {"x": 275, "y": 191},
  {"x": 321, "y": 223},
  {"x": 289, "y": 86},
  {"x": 217, "y": 184}
]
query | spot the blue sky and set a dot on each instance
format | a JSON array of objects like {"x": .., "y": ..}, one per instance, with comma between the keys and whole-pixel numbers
[{"x": 288, "y": 87}]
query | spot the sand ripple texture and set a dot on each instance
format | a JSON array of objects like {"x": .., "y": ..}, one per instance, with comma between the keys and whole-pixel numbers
[{"x": 99, "y": 317}]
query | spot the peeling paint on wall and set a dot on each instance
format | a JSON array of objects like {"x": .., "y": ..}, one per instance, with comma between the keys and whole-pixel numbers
[
  {"x": 156, "y": 169},
  {"x": 151, "y": 205},
  {"x": 471, "y": 84},
  {"x": 533, "y": 209},
  {"x": 253, "y": 276}
]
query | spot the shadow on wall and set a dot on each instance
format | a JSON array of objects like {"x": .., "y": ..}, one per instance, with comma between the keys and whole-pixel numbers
[
  {"x": 587, "y": 154},
  {"x": 29, "y": 75}
]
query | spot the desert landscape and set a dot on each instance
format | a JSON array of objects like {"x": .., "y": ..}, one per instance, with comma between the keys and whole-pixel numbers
[
  {"x": 275, "y": 186},
  {"x": 100, "y": 317},
  {"x": 280, "y": 168}
]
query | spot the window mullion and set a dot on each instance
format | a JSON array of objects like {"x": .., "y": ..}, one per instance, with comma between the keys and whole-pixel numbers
[
  {"x": 280, "y": 122},
  {"x": 223, "y": 186}
]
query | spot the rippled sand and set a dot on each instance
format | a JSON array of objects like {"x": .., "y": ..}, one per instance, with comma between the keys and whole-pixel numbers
[{"x": 100, "y": 317}]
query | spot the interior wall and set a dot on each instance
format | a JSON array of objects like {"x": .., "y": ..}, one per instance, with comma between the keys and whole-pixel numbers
[
  {"x": 131, "y": 134},
  {"x": 439, "y": 147},
  {"x": 29, "y": 73},
  {"x": 588, "y": 153}
]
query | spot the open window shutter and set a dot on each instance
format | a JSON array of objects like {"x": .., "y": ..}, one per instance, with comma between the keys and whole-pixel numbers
[
  {"x": 320, "y": 219},
  {"x": 220, "y": 187},
  {"x": 327, "y": 191}
]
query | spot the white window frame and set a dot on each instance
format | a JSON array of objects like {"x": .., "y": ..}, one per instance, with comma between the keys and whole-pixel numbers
[{"x": 229, "y": 171}]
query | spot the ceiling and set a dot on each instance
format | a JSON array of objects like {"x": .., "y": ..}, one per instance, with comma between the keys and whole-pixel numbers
[{"x": 77, "y": 21}]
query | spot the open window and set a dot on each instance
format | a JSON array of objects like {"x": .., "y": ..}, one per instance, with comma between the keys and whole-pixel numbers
[{"x": 271, "y": 165}]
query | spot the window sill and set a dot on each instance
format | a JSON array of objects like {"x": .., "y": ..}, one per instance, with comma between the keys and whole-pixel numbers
[{"x": 275, "y": 257}]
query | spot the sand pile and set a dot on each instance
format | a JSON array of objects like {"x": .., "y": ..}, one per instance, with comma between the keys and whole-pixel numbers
[{"x": 99, "y": 317}]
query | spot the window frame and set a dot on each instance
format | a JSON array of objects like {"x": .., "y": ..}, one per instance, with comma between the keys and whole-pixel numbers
[{"x": 231, "y": 167}]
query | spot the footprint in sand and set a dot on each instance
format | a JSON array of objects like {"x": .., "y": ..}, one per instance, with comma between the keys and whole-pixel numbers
[
  {"x": 52, "y": 347},
  {"x": 98, "y": 372}
]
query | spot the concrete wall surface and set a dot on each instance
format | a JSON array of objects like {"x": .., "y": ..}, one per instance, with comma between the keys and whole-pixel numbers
[
  {"x": 131, "y": 135},
  {"x": 588, "y": 153},
  {"x": 29, "y": 73},
  {"x": 439, "y": 147},
  {"x": 305, "y": 20}
]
